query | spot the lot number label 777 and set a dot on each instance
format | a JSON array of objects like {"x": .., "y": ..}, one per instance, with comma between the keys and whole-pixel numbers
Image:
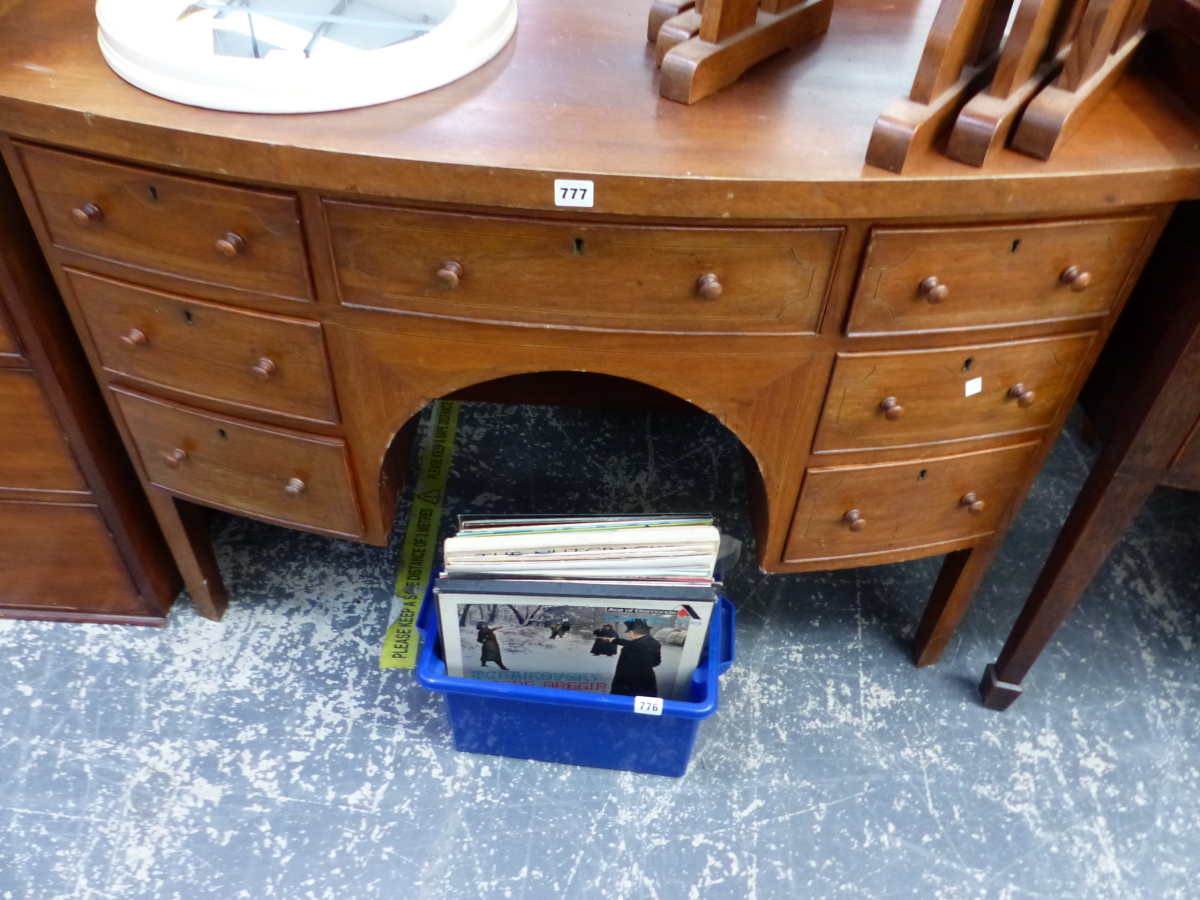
[{"x": 574, "y": 193}]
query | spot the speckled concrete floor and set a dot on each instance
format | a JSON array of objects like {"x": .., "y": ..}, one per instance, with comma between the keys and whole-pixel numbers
[{"x": 268, "y": 756}]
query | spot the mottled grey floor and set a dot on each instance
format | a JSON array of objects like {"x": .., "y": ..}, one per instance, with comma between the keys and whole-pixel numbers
[{"x": 268, "y": 756}]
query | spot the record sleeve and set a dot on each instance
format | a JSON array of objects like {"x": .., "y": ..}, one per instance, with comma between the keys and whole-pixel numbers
[{"x": 622, "y": 644}]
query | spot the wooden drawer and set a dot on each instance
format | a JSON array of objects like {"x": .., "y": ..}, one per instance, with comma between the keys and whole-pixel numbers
[
  {"x": 903, "y": 505},
  {"x": 270, "y": 473},
  {"x": 995, "y": 275},
  {"x": 582, "y": 274},
  {"x": 33, "y": 453},
  {"x": 57, "y": 557},
  {"x": 926, "y": 396},
  {"x": 245, "y": 239},
  {"x": 255, "y": 360}
]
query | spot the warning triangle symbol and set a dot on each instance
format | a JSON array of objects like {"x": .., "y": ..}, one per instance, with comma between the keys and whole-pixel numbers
[{"x": 431, "y": 497}]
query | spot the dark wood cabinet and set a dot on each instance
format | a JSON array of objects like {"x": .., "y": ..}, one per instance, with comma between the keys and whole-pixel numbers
[{"x": 78, "y": 541}]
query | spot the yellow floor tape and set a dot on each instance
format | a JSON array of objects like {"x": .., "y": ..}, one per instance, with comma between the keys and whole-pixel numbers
[{"x": 401, "y": 643}]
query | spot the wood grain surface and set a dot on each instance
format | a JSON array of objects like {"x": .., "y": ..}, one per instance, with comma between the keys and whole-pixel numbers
[
  {"x": 255, "y": 360},
  {"x": 582, "y": 274},
  {"x": 575, "y": 93},
  {"x": 34, "y": 455},
  {"x": 993, "y": 275},
  {"x": 244, "y": 467},
  {"x": 947, "y": 395},
  {"x": 918, "y": 502},
  {"x": 43, "y": 547},
  {"x": 170, "y": 224},
  {"x": 10, "y": 352}
]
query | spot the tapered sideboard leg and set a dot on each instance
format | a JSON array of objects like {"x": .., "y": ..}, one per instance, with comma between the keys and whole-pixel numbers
[
  {"x": 1106, "y": 505},
  {"x": 960, "y": 575},
  {"x": 186, "y": 531}
]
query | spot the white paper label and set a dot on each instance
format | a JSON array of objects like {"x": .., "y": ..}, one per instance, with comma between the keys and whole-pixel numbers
[
  {"x": 573, "y": 193},
  {"x": 647, "y": 706},
  {"x": 974, "y": 386}
]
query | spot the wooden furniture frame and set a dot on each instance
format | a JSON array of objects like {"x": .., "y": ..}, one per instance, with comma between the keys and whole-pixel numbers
[
  {"x": 1152, "y": 437},
  {"x": 78, "y": 541},
  {"x": 755, "y": 279}
]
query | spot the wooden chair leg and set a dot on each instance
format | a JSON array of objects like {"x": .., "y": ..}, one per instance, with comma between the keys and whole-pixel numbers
[
  {"x": 186, "y": 532},
  {"x": 1106, "y": 506},
  {"x": 960, "y": 575}
]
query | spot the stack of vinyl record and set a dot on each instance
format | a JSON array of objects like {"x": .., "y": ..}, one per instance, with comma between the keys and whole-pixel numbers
[{"x": 609, "y": 604}]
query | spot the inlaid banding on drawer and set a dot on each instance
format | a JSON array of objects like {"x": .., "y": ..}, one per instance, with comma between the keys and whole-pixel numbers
[
  {"x": 255, "y": 360},
  {"x": 931, "y": 396},
  {"x": 271, "y": 473},
  {"x": 582, "y": 274},
  {"x": 249, "y": 240},
  {"x": 942, "y": 279},
  {"x": 858, "y": 511}
]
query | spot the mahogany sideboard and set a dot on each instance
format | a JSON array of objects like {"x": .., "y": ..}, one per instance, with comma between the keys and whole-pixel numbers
[
  {"x": 78, "y": 541},
  {"x": 269, "y": 301}
]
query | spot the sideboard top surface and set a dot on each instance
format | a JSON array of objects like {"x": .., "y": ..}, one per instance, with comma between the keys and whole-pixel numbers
[{"x": 575, "y": 95}]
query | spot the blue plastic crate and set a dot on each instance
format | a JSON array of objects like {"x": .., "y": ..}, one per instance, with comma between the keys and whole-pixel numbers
[{"x": 577, "y": 727}]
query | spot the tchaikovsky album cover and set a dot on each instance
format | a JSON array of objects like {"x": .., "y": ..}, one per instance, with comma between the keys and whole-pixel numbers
[{"x": 629, "y": 645}]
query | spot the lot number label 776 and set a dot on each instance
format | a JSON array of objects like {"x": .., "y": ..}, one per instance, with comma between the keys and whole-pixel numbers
[{"x": 648, "y": 706}]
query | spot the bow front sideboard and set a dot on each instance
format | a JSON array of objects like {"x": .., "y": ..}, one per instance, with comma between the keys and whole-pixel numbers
[{"x": 270, "y": 301}]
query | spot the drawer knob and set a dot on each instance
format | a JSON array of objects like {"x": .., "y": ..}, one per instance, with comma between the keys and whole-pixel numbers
[
  {"x": 87, "y": 214},
  {"x": 892, "y": 410},
  {"x": 231, "y": 245},
  {"x": 1077, "y": 279},
  {"x": 294, "y": 487},
  {"x": 450, "y": 273},
  {"x": 856, "y": 520},
  {"x": 263, "y": 369},
  {"x": 973, "y": 504},
  {"x": 933, "y": 290},
  {"x": 708, "y": 287},
  {"x": 135, "y": 338},
  {"x": 175, "y": 457},
  {"x": 1023, "y": 397}
]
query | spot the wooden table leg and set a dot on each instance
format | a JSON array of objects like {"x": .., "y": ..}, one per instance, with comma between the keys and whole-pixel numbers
[
  {"x": 1107, "y": 504},
  {"x": 1154, "y": 422},
  {"x": 186, "y": 531},
  {"x": 960, "y": 575}
]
